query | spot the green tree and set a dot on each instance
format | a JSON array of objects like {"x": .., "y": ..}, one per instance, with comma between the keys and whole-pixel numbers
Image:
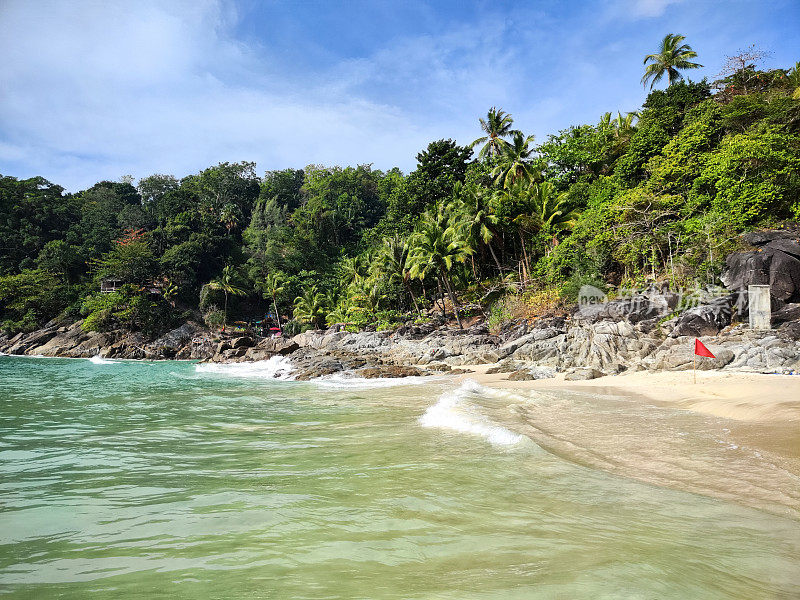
[
  {"x": 438, "y": 247},
  {"x": 310, "y": 307},
  {"x": 671, "y": 59},
  {"x": 393, "y": 262},
  {"x": 273, "y": 287},
  {"x": 515, "y": 161},
  {"x": 228, "y": 284},
  {"x": 497, "y": 127}
]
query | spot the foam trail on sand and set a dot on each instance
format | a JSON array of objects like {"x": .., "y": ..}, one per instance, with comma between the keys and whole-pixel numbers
[
  {"x": 452, "y": 411},
  {"x": 277, "y": 367}
]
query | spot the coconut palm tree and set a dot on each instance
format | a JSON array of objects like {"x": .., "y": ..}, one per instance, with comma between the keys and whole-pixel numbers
[
  {"x": 310, "y": 307},
  {"x": 437, "y": 248},
  {"x": 515, "y": 161},
  {"x": 228, "y": 284},
  {"x": 496, "y": 126},
  {"x": 793, "y": 76},
  {"x": 392, "y": 261},
  {"x": 273, "y": 286},
  {"x": 673, "y": 56},
  {"x": 472, "y": 213}
]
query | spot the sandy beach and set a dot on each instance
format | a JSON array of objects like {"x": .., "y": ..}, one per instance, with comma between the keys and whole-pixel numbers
[
  {"x": 741, "y": 396},
  {"x": 731, "y": 435}
]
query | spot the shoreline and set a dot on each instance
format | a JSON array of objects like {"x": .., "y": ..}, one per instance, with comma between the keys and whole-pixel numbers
[{"x": 736, "y": 395}]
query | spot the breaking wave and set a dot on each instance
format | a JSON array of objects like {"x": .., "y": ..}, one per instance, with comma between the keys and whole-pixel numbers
[
  {"x": 99, "y": 360},
  {"x": 277, "y": 367},
  {"x": 346, "y": 380},
  {"x": 453, "y": 411}
]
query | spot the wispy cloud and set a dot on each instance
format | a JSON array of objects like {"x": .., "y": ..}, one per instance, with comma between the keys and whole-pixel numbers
[
  {"x": 651, "y": 8},
  {"x": 94, "y": 90}
]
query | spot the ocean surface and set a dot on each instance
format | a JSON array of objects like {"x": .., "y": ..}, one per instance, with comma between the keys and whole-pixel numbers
[{"x": 122, "y": 479}]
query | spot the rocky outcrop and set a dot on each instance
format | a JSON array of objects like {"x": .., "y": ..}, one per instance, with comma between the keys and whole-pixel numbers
[{"x": 774, "y": 262}]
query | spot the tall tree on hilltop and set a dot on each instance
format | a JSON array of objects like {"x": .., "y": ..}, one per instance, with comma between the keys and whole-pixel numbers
[
  {"x": 673, "y": 56},
  {"x": 496, "y": 126},
  {"x": 515, "y": 161}
]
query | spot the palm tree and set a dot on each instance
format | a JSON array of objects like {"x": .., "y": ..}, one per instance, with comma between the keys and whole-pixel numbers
[
  {"x": 352, "y": 270},
  {"x": 273, "y": 286},
  {"x": 793, "y": 77},
  {"x": 539, "y": 208},
  {"x": 393, "y": 261},
  {"x": 474, "y": 216},
  {"x": 436, "y": 247},
  {"x": 671, "y": 58},
  {"x": 496, "y": 126},
  {"x": 310, "y": 307},
  {"x": 515, "y": 161},
  {"x": 228, "y": 284},
  {"x": 341, "y": 311}
]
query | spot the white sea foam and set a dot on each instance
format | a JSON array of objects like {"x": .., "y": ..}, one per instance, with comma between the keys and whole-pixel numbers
[
  {"x": 453, "y": 411},
  {"x": 277, "y": 367},
  {"x": 99, "y": 360},
  {"x": 347, "y": 381}
]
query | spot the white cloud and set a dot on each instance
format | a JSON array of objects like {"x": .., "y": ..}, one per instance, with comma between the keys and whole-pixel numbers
[
  {"x": 106, "y": 89},
  {"x": 651, "y": 8}
]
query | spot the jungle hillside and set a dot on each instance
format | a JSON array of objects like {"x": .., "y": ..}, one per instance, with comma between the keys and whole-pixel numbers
[{"x": 508, "y": 226}]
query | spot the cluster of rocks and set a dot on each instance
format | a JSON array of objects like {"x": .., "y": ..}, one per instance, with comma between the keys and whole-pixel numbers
[
  {"x": 189, "y": 341},
  {"x": 647, "y": 330}
]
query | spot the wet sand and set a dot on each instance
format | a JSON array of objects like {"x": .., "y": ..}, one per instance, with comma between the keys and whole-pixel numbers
[
  {"x": 733, "y": 436},
  {"x": 751, "y": 397}
]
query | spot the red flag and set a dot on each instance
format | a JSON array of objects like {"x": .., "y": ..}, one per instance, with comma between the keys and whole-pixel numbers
[{"x": 701, "y": 350}]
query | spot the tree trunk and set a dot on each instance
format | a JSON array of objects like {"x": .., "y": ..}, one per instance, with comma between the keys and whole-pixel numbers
[
  {"x": 494, "y": 256},
  {"x": 526, "y": 265},
  {"x": 225, "y": 313},
  {"x": 452, "y": 294},
  {"x": 277, "y": 316},
  {"x": 411, "y": 293},
  {"x": 441, "y": 297}
]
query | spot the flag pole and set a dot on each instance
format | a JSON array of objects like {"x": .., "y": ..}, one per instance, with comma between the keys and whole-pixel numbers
[{"x": 694, "y": 371}]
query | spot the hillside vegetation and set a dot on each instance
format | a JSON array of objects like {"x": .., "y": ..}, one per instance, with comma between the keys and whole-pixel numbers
[{"x": 507, "y": 226}]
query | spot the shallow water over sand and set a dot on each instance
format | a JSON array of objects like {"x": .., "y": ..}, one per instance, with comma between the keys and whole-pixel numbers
[{"x": 151, "y": 480}]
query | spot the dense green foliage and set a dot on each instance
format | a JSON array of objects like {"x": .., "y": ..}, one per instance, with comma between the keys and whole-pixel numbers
[{"x": 661, "y": 193}]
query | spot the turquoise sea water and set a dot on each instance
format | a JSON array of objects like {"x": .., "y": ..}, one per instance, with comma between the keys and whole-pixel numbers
[{"x": 150, "y": 480}]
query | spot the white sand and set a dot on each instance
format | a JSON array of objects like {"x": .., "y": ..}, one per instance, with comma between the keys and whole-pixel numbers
[{"x": 742, "y": 396}]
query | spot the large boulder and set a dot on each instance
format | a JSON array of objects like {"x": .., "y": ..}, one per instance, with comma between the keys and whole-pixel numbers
[
  {"x": 681, "y": 357},
  {"x": 775, "y": 262},
  {"x": 582, "y": 374},
  {"x": 280, "y": 345},
  {"x": 708, "y": 319},
  {"x": 639, "y": 307}
]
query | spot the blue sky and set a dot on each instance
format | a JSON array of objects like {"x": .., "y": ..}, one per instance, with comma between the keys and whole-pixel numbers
[{"x": 97, "y": 90}]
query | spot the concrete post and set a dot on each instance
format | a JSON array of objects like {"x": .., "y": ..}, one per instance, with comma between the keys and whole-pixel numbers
[{"x": 760, "y": 313}]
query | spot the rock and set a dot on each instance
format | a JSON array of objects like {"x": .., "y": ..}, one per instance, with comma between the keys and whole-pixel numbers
[
  {"x": 705, "y": 320},
  {"x": 243, "y": 342},
  {"x": 504, "y": 366},
  {"x": 521, "y": 376},
  {"x": 582, "y": 374},
  {"x": 531, "y": 374},
  {"x": 775, "y": 263},
  {"x": 638, "y": 308},
  {"x": 789, "y": 312},
  {"x": 681, "y": 357},
  {"x": 388, "y": 372},
  {"x": 279, "y": 345},
  {"x": 784, "y": 276}
]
